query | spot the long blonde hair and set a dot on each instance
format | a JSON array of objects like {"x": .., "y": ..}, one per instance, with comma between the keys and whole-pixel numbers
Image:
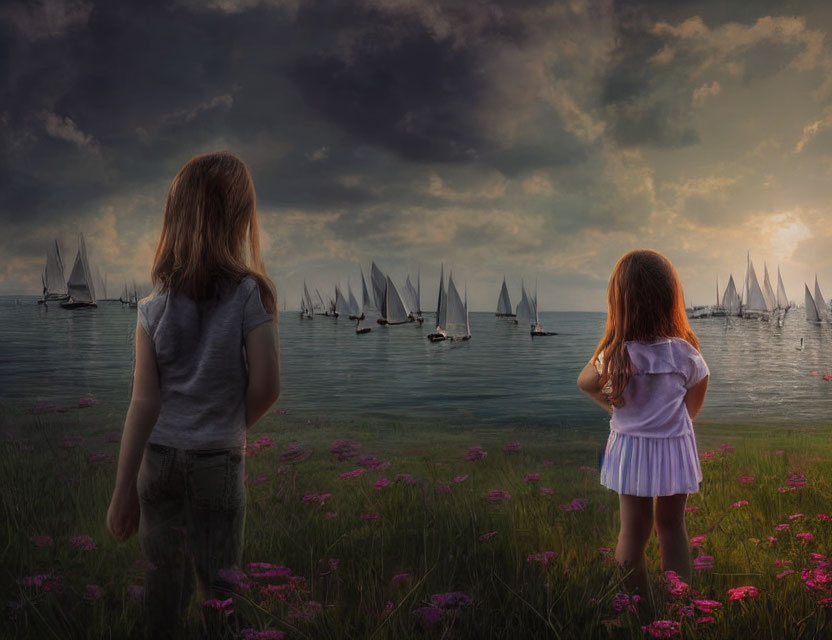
[
  {"x": 210, "y": 232},
  {"x": 645, "y": 303}
]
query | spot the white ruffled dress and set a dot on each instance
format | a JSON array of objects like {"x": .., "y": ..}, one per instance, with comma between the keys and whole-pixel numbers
[{"x": 651, "y": 450}]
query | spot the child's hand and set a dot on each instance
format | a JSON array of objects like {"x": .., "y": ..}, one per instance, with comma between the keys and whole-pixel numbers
[{"x": 123, "y": 514}]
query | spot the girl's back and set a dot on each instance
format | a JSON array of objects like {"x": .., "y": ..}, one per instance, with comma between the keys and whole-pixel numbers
[
  {"x": 202, "y": 370},
  {"x": 653, "y": 404}
]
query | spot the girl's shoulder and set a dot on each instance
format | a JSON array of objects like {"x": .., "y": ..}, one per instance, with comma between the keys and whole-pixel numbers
[{"x": 667, "y": 355}]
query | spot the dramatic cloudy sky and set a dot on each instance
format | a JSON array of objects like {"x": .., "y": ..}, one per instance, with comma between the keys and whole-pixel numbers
[{"x": 528, "y": 138}]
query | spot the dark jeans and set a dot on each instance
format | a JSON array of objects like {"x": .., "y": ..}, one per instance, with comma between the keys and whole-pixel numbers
[{"x": 193, "y": 506}]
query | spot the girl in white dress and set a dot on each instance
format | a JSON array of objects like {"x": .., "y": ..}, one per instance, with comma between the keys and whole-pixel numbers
[{"x": 648, "y": 373}]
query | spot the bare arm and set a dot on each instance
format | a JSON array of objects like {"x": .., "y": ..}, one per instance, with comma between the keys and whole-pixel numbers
[
  {"x": 695, "y": 397},
  {"x": 589, "y": 382},
  {"x": 142, "y": 413},
  {"x": 263, "y": 357},
  {"x": 145, "y": 403}
]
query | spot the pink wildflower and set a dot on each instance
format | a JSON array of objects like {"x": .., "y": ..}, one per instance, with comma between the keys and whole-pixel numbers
[
  {"x": 738, "y": 593},
  {"x": 703, "y": 562},
  {"x": 780, "y": 563},
  {"x": 662, "y": 628},
  {"x": 532, "y": 477},
  {"x": 487, "y": 536},
  {"x": 475, "y": 453},
  {"x": 705, "y": 620},
  {"x": 782, "y": 527},
  {"x": 406, "y": 478},
  {"x": 461, "y": 478},
  {"x": 546, "y": 491},
  {"x": 577, "y": 504},
  {"x": 235, "y": 577},
  {"x": 785, "y": 573},
  {"x": 696, "y": 541},
  {"x": 823, "y": 516},
  {"x": 452, "y": 600},
  {"x": 46, "y": 580},
  {"x": 85, "y": 543},
  {"x": 604, "y": 550},
  {"x": 543, "y": 557},
  {"x": 740, "y": 503},
  {"x": 675, "y": 586},
  {"x": 726, "y": 447},
  {"x": 795, "y": 516},
  {"x": 400, "y": 577},
  {"x": 693, "y": 508},
  {"x": 353, "y": 474},
  {"x": 344, "y": 448},
  {"x": 371, "y": 462},
  {"x": 268, "y": 570},
  {"x": 369, "y": 516},
  {"x": 706, "y": 606},
  {"x": 428, "y": 615},
  {"x": 498, "y": 495},
  {"x": 745, "y": 479},
  {"x": 381, "y": 483},
  {"x": 41, "y": 541},
  {"x": 443, "y": 488},
  {"x": 805, "y": 535},
  {"x": 294, "y": 452},
  {"x": 779, "y": 452},
  {"x": 707, "y": 455},
  {"x": 93, "y": 592},
  {"x": 771, "y": 539}
]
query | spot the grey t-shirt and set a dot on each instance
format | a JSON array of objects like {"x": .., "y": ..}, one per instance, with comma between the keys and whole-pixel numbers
[{"x": 202, "y": 371}]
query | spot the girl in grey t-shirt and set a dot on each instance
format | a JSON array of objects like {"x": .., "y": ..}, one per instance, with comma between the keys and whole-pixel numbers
[{"x": 206, "y": 368}]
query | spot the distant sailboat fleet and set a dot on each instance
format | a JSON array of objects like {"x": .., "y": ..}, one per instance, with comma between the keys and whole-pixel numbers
[
  {"x": 84, "y": 288},
  {"x": 761, "y": 302}
]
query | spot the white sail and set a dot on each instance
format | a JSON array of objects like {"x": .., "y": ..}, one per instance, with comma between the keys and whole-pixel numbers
[
  {"x": 355, "y": 310},
  {"x": 369, "y": 313},
  {"x": 410, "y": 296},
  {"x": 54, "y": 280},
  {"x": 395, "y": 311},
  {"x": 820, "y": 301},
  {"x": 782, "y": 298},
  {"x": 441, "y": 302},
  {"x": 768, "y": 291},
  {"x": 310, "y": 308},
  {"x": 418, "y": 307},
  {"x": 812, "y": 314},
  {"x": 731, "y": 299},
  {"x": 504, "y": 302},
  {"x": 756, "y": 298},
  {"x": 320, "y": 306},
  {"x": 524, "y": 311},
  {"x": 341, "y": 306},
  {"x": 379, "y": 283},
  {"x": 457, "y": 318},
  {"x": 80, "y": 284}
]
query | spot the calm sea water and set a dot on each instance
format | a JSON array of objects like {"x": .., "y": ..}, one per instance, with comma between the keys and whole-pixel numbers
[{"x": 501, "y": 375}]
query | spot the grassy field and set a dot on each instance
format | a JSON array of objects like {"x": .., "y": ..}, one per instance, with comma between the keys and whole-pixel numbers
[{"x": 425, "y": 537}]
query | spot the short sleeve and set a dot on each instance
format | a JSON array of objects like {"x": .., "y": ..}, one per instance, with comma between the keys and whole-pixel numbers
[
  {"x": 143, "y": 320},
  {"x": 254, "y": 313},
  {"x": 697, "y": 369}
]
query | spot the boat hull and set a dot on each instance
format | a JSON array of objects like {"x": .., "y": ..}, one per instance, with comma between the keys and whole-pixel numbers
[
  {"x": 506, "y": 315},
  {"x": 78, "y": 305}
]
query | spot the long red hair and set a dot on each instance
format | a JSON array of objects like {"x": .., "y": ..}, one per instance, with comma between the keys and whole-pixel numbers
[
  {"x": 644, "y": 303},
  {"x": 210, "y": 232}
]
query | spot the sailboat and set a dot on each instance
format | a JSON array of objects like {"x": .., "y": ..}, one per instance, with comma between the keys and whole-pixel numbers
[
  {"x": 342, "y": 307},
  {"x": 54, "y": 282},
  {"x": 393, "y": 310},
  {"x": 378, "y": 281},
  {"x": 756, "y": 304},
  {"x": 782, "y": 298},
  {"x": 504, "y": 303},
  {"x": 411, "y": 298},
  {"x": 441, "y": 310},
  {"x": 355, "y": 309},
  {"x": 369, "y": 312},
  {"x": 306, "y": 308},
  {"x": 731, "y": 303},
  {"x": 812, "y": 312},
  {"x": 820, "y": 301},
  {"x": 457, "y": 327},
  {"x": 525, "y": 311},
  {"x": 80, "y": 286},
  {"x": 537, "y": 330},
  {"x": 133, "y": 300}
]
